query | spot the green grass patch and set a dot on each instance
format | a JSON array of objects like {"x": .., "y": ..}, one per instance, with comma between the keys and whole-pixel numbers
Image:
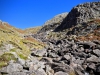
[
  {"x": 5, "y": 58},
  {"x": 23, "y": 56}
]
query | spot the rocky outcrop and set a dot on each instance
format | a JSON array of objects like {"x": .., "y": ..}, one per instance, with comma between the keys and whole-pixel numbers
[
  {"x": 80, "y": 14},
  {"x": 51, "y": 24}
]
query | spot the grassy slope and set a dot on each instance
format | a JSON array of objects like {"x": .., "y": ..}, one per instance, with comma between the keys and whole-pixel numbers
[
  {"x": 32, "y": 30},
  {"x": 21, "y": 45}
]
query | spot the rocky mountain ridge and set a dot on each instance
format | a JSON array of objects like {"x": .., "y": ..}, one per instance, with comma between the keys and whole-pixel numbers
[
  {"x": 80, "y": 14},
  {"x": 71, "y": 45},
  {"x": 53, "y": 23}
]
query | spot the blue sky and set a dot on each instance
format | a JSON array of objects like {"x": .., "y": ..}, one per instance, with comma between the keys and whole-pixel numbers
[{"x": 31, "y": 13}]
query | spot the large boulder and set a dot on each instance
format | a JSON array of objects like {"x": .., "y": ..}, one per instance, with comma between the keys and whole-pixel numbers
[{"x": 14, "y": 67}]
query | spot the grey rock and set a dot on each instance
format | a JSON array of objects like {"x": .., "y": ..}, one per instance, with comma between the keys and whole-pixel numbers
[
  {"x": 50, "y": 25},
  {"x": 27, "y": 64},
  {"x": 9, "y": 47},
  {"x": 39, "y": 72},
  {"x": 92, "y": 66},
  {"x": 67, "y": 57},
  {"x": 58, "y": 18},
  {"x": 74, "y": 47},
  {"x": 93, "y": 58},
  {"x": 5, "y": 48},
  {"x": 38, "y": 52},
  {"x": 46, "y": 59},
  {"x": 78, "y": 61},
  {"x": 49, "y": 70},
  {"x": 80, "y": 14},
  {"x": 82, "y": 49},
  {"x": 60, "y": 67},
  {"x": 57, "y": 59},
  {"x": 97, "y": 52},
  {"x": 53, "y": 55},
  {"x": 18, "y": 73},
  {"x": 61, "y": 73},
  {"x": 86, "y": 73},
  {"x": 21, "y": 61},
  {"x": 14, "y": 67},
  {"x": 97, "y": 42},
  {"x": 35, "y": 65},
  {"x": 98, "y": 46}
]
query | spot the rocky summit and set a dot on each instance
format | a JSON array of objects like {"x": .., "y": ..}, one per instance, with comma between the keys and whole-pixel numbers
[{"x": 68, "y": 44}]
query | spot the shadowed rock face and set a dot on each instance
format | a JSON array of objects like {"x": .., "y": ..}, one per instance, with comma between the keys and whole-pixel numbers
[{"x": 80, "y": 14}]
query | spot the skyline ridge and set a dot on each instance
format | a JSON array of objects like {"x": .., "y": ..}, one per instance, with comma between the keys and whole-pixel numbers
[{"x": 28, "y": 13}]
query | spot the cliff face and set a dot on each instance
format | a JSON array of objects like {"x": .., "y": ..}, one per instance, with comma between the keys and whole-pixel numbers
[
  {"x": 68, "y": 44},
  {"x": 80, "y": 14}
]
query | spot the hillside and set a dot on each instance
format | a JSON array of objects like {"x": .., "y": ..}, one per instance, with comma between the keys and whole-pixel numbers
[
  {"x": 32, "y": 30},
  {"x": 67, "y": 44},
  {"x": 13, "y": 44}
]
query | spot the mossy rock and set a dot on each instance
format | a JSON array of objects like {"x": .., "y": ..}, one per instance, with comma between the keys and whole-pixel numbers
[
  {"x": 19, "y": 53},
  {"x": 5, "y": 58}
]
